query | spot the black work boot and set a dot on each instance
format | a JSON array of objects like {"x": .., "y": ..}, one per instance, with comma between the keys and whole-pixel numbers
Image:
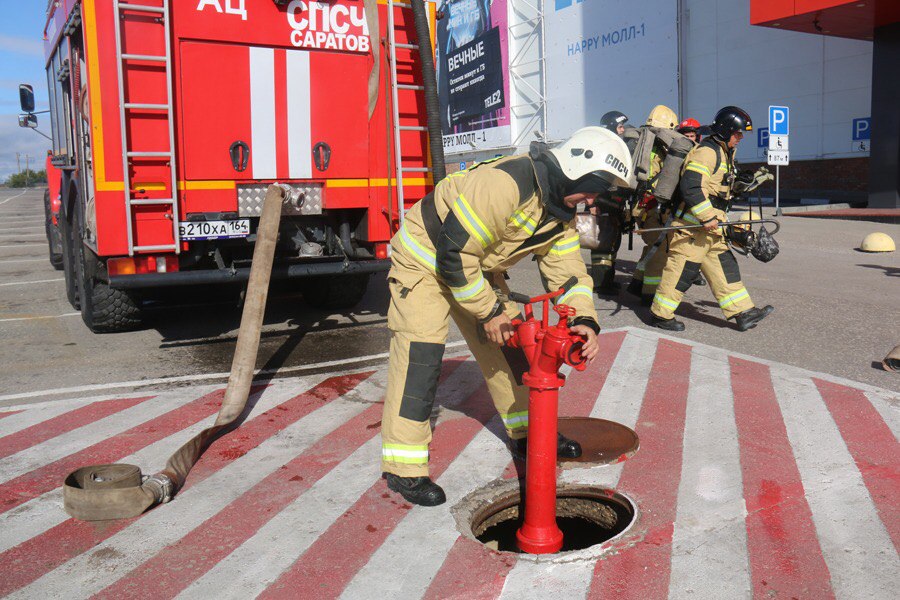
[
  {"x": 418, "y": 490},
  {"x": 699, "y": 280},
  {"x": 635, "y": 287},
  {"x": 672, "y": 324},
  {"x": 750, "y": 317},
  {"x": 565, "y": 447}
]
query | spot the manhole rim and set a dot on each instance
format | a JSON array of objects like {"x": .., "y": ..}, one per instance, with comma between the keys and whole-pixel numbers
[{"x": 464, "y": 515}]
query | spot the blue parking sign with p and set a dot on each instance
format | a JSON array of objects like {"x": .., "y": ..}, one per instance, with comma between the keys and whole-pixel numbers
[
  {"x": 779, "y": 120},
  {"x": 862, "y": 129},
  {"x": 762, "y": 137}
]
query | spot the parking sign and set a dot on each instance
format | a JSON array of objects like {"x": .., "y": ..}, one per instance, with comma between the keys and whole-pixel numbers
[
  {"x": 762, "y": 137},
  {"x": 779, "y": 117},
  {"x": 862, "y": 129}
]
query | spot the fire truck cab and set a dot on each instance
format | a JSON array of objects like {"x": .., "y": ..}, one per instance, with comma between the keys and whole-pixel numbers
[{"x": 170, "y": 119}]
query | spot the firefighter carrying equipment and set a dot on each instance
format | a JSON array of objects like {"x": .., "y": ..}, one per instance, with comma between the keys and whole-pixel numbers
[
  {"x": 104, "y": 492},
  {"x": 449, "y": 258},
  {"x": 891, "y": 362},
  {"x": 706, "y": 193},
  {"x": 877, "y": 242}
]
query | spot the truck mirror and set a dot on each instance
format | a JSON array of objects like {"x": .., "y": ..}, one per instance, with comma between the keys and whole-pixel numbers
[
  {"x": 28, "y": 120},
  {"x": 26, "y": 97}
]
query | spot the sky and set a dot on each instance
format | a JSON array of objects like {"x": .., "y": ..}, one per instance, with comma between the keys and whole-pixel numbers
[{"x": 21, "y": 61}]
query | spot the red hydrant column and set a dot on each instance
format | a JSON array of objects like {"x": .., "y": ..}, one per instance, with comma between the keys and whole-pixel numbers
[{"x": 539, "y": 533}]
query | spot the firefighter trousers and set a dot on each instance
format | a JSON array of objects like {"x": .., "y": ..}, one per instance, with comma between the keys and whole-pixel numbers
[
  {"x": 651, "y": 274},
  {"x": 418, "y": 318},
  {"x": 693, "y": 252}
]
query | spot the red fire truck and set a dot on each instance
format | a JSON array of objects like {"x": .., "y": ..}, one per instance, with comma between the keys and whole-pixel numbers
[{"x": 171, "y": 118}]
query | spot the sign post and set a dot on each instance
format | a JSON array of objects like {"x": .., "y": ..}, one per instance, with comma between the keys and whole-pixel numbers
[{"x": 778, "y": 154}]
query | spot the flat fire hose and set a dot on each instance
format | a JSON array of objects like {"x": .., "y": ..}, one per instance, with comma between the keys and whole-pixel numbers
[{"x": 119, "y": 491}]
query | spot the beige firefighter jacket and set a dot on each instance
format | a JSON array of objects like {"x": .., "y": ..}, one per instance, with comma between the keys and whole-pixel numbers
[
  {"x": 482, "y": 221},
  {"x": 705, "y": 179}
]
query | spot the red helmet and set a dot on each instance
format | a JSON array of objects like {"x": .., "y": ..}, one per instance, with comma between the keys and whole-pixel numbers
[{"x": 688, "y": 125}]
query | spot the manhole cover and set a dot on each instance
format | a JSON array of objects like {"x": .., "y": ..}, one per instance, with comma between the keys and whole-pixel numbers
[{"x": 602, "y": 442}]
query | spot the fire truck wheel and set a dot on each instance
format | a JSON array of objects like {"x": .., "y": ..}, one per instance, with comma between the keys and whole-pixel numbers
[
  {"x": 337, "y": 291},
  {"x": 69, "y": 260},
  {"x": 103, "y": 309},
  {"x": 54, "y": 239}
]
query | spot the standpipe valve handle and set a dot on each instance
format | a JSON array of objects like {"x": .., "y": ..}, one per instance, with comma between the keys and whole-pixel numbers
[{"x": 547, "y": 349}]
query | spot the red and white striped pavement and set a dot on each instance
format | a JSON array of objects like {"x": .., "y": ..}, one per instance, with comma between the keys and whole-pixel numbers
[{"x": 754, "y": 479}]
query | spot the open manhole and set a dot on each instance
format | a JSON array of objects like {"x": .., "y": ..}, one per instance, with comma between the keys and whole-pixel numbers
[{"x": 587, "y": 515}]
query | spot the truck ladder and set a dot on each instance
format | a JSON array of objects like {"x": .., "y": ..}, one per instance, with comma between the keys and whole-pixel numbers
[
  {"x": 161, "y": 12},
  {"x": 393, "y": 45}
]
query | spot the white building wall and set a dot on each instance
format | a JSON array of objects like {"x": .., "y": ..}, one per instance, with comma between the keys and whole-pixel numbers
[{"x": 825, "y": 81}]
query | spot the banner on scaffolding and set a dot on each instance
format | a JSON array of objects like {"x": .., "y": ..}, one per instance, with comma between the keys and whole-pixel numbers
[{"x": 472, "y": 58}]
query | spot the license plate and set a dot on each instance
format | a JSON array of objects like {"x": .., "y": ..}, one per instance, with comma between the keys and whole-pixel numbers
[{"x": 214, "y": 230}]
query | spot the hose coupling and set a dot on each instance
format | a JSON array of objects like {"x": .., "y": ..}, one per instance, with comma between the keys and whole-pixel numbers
[{"x": 161, "y": 486}]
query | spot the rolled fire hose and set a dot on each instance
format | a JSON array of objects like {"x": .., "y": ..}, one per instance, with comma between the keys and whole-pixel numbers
[{"x": 119, "y": 491}]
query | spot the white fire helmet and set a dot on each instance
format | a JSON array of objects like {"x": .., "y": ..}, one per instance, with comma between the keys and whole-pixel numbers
[{"x": 595, "y": 151}]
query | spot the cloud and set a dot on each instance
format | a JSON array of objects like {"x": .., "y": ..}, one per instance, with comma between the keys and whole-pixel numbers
[
  {"x": 15, "y": 139},
  {"x": 20, "y": 45}
]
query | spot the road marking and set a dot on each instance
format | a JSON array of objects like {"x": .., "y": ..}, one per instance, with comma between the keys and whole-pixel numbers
[
  {"x": 654, "y": 475},
  {"x": 784, "y": 550},
  {"x": 13, "y": 197},
  {"x": 30, "y": 282},
  {"x": 837, "y": 494},
  {"x": 255, "y": 528},
  {"x": 72, "y": 314},
  {"x": 199, "y": 377},
  {"x": 153, "y": 532},
  {"x": 21, "y": 260},
  {"x": 710, "y": 538}
]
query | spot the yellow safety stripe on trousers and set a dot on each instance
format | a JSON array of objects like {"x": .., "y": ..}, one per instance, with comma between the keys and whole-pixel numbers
[
  {"x": 652, "y": 280},
  {"x": 420, "y": 252},
  {"x": 515, "y": 420},
  {"x": 469, "y": 290},
  {"x": 697, "y": 168},
  {"x": 402, "y": 453},
  {"x": 471, "y": 222},
  {"x": 665, "y": 302},
  {"x": 703, "y": 206},
  {"x": 581, "y": 290},
  {"x": 565, "y": 246},
  {"x": 603, "y": 262},
  {"x": 734, "y": 298},
  {"x": 523, "y": 222}
]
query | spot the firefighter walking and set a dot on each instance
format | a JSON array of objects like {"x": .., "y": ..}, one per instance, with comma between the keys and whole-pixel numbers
[
  {"x": 705, "y": 188},
  {"x": 449, "y": 259}
]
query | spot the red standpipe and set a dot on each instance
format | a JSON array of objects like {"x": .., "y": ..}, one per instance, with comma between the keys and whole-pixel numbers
[{"x": 547, "y": 349}]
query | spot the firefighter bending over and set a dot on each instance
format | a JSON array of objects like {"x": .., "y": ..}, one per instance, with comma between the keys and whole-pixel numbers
[
  {"x": 705, "y": 187},
  {"x": 449, "y": 260}
]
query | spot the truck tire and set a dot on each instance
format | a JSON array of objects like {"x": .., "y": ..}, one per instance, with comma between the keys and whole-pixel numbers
[
  {"x": 54, "y": 239},
  {"x": 69, "y": 260},
  {"x": 335, "y": 291},
  {"x": 103, "y": 309}
]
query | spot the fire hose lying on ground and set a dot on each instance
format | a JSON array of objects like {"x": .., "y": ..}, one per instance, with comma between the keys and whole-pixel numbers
[{"x": 120, "y": 491}]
